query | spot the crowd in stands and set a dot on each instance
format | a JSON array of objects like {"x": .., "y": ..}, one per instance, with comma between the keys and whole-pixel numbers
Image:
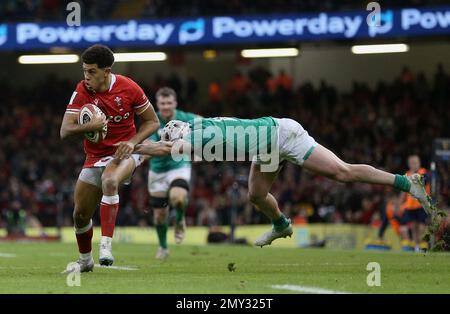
[
  {"x": 41, "y": 10},
  {"x": 380, "y": 126}
]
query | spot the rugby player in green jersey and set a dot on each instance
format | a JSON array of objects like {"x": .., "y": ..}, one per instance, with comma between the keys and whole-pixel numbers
[
  {"x": 267, "y": 142},
  {"x": 168, "y": 180}
]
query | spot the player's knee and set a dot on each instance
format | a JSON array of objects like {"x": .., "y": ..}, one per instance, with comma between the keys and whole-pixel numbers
[
  {"x": 178, "y": 193},
  {"x": 178, "y": 200},
  {"x": 80, "y": 219},
  {"x": 109, "y": 184}
]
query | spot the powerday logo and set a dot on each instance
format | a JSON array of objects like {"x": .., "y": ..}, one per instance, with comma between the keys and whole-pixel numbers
[
  {"x": 223, "y": 30},
  {"x": 386, "y": 24},
  {"x": 191, "y": 31},
  {"x": 3, "y": 33}
]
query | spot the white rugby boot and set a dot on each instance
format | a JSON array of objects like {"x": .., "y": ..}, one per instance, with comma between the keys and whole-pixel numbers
[
  {"x": 106, "y": 258},
  {"x": 162, "y": 254},
  {"x": 269, "y": 236},
  {"x": 418, "y": 191},
  {"x": 82, "y": 266}
]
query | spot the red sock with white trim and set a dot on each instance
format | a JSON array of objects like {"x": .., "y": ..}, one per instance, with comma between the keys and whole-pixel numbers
[
  {"x": 108, "y": 212},
  {"x": 84, "y": 240}
]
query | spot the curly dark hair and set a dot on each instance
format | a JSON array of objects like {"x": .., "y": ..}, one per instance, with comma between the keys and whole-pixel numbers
[{"x": 98, "y": 54}]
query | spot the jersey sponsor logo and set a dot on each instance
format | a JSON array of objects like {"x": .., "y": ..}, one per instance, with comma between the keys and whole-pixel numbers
[{"x": 119, "y": 118}]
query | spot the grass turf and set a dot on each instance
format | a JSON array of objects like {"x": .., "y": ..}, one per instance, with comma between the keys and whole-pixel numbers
[{"x": 36, "y": 268}]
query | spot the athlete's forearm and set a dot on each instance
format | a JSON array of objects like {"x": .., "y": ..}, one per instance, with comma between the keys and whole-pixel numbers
[
  {"x": 149, "y": 148},
  {"x": 71, "y": 130}
]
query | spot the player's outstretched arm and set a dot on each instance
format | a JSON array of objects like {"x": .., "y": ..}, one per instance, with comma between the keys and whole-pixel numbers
[
  {"x": 70, "y": 127},
  {"x": 150, "y": 148}
]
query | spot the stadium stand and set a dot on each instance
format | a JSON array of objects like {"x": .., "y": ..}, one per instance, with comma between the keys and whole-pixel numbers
[{"x": 37, "y": 169}]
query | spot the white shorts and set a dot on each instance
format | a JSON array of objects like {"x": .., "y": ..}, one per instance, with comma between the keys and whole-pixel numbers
[
  {"x": 160, "y": 182},
  {"x": 294, "y": 142},
  {"x": 94, "y": 175}
]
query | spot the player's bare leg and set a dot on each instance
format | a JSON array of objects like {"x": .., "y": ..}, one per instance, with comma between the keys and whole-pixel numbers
[
  {"x": 258, "y": 192},
  {"x": 415, "y": 235},
  {"x": 423, "y": 245},
  {"x": 405, "y": 239},
  {"x": 178, "y": 199},
  {"x": 418, "y": 230},
  {"x": 160, "y": 218},
  {"x": 114, "y": 174},
  {"x": 86, "y": 197},
  {"x": 324, "y": 162}
]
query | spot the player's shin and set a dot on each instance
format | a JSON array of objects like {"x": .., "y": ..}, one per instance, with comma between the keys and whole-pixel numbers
[
  {"x": 179, "y": 213},
  {"x": 161, "y": 230},
  {"x": 84, "y": 240},
  {"x": 180, "y": 222},
  {"x": 108, "y": 213}
]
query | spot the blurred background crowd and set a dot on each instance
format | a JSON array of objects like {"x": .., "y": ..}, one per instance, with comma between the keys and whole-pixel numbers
[{"x": 380, "y": 126}]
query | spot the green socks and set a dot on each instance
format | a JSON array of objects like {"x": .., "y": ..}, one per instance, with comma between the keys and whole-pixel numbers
[
  {"x": 179, "y": 215},
  {"x": 402, "y": 183},
  {"x": 161, "y": 230},
  {"x": 280, "y": 223}
]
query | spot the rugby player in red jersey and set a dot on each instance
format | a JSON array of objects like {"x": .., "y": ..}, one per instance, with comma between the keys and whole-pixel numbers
[{"x": 109, "y": 162}]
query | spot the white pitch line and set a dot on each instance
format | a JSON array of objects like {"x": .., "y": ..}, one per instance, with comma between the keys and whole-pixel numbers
[
  {"x": 308, "y": 289},
  {"x": 116, "y": 267},
  {"x": 7, "y": 255}
]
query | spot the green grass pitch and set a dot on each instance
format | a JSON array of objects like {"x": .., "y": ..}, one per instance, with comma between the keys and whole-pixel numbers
[{"x": 36, "y": 268}]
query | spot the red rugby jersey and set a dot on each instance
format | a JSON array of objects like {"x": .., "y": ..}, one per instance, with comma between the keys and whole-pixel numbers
[{"x": 120, "y": 103}]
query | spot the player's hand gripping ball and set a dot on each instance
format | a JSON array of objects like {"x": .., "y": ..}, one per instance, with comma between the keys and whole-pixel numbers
[
  {"x": 174, "y": 130},
  {"x": 86, "y": 113}
]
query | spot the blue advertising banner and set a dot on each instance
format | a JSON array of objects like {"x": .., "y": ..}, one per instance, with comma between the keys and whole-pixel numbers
[{"x": 221, "y": 30}]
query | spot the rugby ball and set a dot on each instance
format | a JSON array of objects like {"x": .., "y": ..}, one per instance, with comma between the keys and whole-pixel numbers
[{"x": 86, "y": 114}]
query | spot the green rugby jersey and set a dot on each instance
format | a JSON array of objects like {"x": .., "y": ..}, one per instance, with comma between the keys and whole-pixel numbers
[
  {"x": 233, "y": 138},
  {"x": 159, "y": 164}
]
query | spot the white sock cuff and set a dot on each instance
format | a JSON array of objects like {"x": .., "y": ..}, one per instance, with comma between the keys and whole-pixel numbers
[
  {"x": 105, "y": 240},
  {"x": 83, "y": 229},
  {"x": 86, "y": 256},
  {"x": 110, "y": 200}
]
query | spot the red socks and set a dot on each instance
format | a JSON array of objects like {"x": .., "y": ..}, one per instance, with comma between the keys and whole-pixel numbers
[
  {"x": 108, "y": 212},
  {"x": 84, "y": 238}
]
